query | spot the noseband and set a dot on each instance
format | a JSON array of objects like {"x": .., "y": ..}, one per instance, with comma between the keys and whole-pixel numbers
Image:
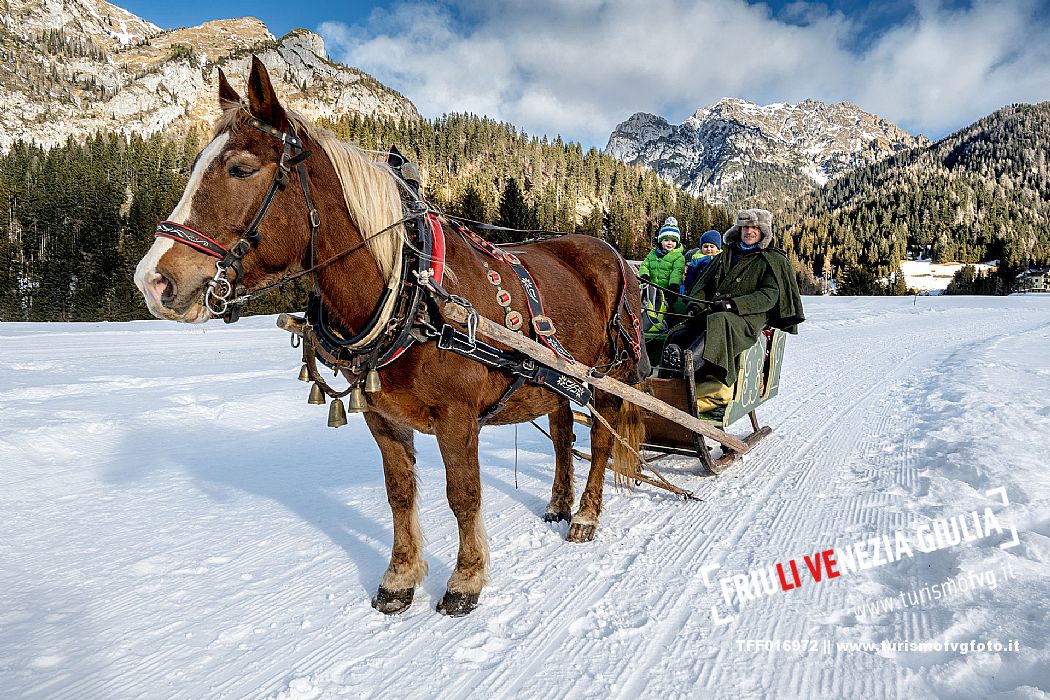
[{"x": 222, "y": 294}]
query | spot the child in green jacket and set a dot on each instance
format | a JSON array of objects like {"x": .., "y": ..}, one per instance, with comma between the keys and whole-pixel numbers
[{"x": 664, "y": 266}]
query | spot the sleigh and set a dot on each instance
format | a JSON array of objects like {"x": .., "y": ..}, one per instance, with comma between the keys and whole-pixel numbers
[{"x": 758, "y": 380}]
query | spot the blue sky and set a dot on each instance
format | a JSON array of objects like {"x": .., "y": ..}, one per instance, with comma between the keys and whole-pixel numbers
[{"x": 579, "y": 67}]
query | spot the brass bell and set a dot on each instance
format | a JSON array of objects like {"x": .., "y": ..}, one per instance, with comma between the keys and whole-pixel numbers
[
  {"x": 372, "y": 383},
  {"x": 357, "y": 400},
  {"x": 336, "y": 414},
  {"x": 316, "y": 396},
  {"x": 304, "y": 374}
]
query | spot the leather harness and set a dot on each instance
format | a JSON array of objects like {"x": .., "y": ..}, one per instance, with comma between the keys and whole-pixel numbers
[{"x": 416, "y": 305}]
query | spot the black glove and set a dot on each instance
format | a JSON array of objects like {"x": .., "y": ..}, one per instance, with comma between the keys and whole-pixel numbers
[
  {"x": 694, "y": 309},
  {"x": 723, "y": 305}
]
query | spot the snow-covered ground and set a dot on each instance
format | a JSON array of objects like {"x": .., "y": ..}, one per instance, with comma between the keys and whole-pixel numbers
[
  {"x": 178, "y": 522},
  {"x": 928, "y": 276}
]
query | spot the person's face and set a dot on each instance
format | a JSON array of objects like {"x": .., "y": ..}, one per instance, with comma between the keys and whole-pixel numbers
[
  {"x": 668, "y": 243},
  {"x": 708, "y": 249},
  {"x": 749, "y": 235}
]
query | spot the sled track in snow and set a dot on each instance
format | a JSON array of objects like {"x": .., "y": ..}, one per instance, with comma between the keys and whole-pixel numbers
[{"x": 256, "y": 582}]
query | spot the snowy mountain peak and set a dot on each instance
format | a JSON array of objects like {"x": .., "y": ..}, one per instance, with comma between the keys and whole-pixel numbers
[
  {"x": 736, "y": 150},
  {"x": 74, "y": 67},
  {"x": 98, "y": 20}
]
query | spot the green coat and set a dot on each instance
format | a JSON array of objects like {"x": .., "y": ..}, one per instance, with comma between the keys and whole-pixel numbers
[
  {"x": 664, "y": 270},
  {"x": 764, "y": 289}
]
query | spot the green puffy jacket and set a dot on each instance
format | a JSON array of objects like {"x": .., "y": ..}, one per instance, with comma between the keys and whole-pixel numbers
[{"x": 664, "y": 270}]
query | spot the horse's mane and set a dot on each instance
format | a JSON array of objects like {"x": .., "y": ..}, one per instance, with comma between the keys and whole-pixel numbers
[{"x": 370, "y": 188}]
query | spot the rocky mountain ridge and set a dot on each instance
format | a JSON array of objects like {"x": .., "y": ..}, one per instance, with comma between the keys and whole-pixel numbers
[
  {"x": 737, "y": 152},
  {"x": 74, "y": 67}
]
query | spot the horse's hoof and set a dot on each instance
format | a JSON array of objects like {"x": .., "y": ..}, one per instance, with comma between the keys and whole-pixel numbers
[
  {"x": 557, "y": 516},
  {"x": 579, "y": 532},
  {"x": 458, "y": 604},
  {"x": 393, "y": 602}
]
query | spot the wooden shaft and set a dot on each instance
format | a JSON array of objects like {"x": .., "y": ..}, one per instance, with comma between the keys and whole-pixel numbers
[{"x": 580, "y": 371}]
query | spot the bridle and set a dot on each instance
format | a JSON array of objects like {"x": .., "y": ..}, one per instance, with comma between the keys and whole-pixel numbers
[{"x": 224, "y": 297}]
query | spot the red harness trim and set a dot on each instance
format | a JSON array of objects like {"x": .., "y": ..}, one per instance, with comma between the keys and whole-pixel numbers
[
  {"x": 194, "y": 239},
  {"x": 533, "y": 299},
  {"x": 437, "y": 252}
]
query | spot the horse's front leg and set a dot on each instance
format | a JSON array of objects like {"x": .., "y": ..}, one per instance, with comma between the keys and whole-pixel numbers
[
  {"x": 562, "y": 492},
  {"x": 457, "y": 437},
  {"x": 407, "y": 568}
]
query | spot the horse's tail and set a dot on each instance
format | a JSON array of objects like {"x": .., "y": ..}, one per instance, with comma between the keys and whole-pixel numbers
[{"x": 631, "y": 427}]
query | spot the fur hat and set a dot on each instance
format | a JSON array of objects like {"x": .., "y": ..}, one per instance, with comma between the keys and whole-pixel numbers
[
  {"x": 713, "y": 237},
  {"x": 669, "y": 231},
  {"x": 761, "y": 218}
]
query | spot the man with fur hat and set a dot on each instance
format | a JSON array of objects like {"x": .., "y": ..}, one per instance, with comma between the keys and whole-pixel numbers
[{"x": 749, "y": 286}]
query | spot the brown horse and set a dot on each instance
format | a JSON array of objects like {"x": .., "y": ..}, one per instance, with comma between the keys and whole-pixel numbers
[{"x": 427, "y": 389}]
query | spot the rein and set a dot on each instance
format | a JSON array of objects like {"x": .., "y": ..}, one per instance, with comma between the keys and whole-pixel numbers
[{"x": 260, "y": 291}]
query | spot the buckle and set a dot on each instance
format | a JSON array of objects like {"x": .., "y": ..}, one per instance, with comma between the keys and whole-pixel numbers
[
  {"x": 543, "y": 325},
  {"x": 241, "y": 248}
]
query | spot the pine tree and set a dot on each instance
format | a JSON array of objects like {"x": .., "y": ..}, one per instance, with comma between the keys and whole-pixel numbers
[
  {"x": 472, "y": 205},
  {"x": 514, "y": 211},
  {"x": 856, "y": 281}
]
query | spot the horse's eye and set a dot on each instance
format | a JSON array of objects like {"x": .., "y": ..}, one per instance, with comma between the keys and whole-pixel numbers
[{"x": 242, "y": 171}]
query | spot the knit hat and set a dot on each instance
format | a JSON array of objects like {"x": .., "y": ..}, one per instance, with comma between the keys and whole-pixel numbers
[
  {"x": 760, "y": 218},
  {"x": 713, "y": 237},
  {"x": 671, "y": 221},
  {"x": 669, "y": 231}
]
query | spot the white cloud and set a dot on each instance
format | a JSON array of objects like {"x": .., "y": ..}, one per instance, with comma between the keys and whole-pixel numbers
[{"x": 579, "y": 67}]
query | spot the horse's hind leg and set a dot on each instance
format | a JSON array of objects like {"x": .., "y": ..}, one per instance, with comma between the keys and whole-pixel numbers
[
  {"x": 407, "y": 568},
  {"x": 585, "y": 522},
  {"x": 562, "y": 492},
  {"x": 457, "y": 437}
]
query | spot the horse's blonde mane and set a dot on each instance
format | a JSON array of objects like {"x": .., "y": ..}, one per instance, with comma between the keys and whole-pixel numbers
[{"x": 370, "y": 188}]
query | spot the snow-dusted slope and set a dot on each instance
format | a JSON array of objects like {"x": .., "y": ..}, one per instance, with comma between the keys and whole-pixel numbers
[
  {"x": 74, "y": 67},
  {"x": 728, "y": 151},
  {"x": 178, "y": 522}
]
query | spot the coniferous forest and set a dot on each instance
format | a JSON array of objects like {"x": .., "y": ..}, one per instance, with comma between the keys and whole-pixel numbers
[
  {"x": 77, "y": 219},
  {"x": 982, "y": 193}
]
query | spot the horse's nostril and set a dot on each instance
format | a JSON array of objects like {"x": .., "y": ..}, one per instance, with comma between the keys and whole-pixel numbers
[
  {"x": 162, "y": 288},
  {"x": 169, "y": 292}
]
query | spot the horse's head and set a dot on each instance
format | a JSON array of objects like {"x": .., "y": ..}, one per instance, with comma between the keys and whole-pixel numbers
[{"x": 228, "y": 184}]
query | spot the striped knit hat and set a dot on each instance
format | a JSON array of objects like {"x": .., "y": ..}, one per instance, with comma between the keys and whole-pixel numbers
[{"x": 669, "y": 230}]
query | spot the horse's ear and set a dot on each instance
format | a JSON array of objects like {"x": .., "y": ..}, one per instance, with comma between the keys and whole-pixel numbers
[
  {"x": 227, "y": 95},
  {"x": 262, "y": 99}
]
